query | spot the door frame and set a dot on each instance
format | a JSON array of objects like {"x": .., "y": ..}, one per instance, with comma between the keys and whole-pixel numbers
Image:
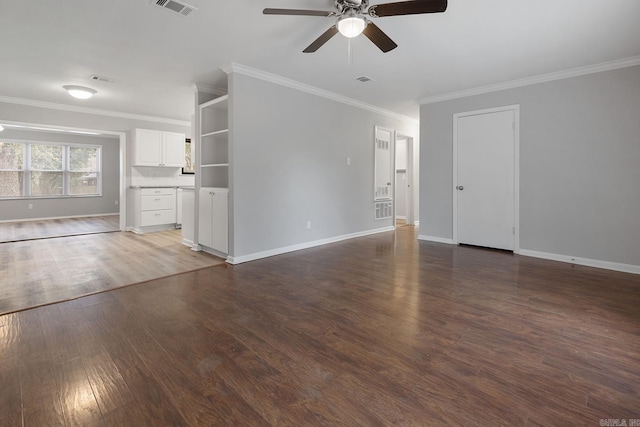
[
  {"x": 516, "y": 168},
  {"x": 409, "y": 177}
]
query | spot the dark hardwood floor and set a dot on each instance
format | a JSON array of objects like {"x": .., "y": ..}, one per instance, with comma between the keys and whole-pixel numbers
[{"x": 379, "y": 330}]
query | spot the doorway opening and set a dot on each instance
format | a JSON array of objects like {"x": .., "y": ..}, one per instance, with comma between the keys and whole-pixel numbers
[{"x": 403, "y": 178}]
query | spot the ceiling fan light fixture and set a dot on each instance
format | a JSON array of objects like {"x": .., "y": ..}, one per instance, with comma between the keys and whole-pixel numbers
[
  {"x": 80, "y": 92},
  {"x": 351, "y": 25}
]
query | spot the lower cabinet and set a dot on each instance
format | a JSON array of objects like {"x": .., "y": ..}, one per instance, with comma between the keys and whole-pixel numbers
[
  {"x": 153, "y": 209},
  {"x": 213, "y": 219}
]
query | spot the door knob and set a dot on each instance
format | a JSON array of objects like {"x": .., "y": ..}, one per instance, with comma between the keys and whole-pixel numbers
[{"x": 460, "y": 187}]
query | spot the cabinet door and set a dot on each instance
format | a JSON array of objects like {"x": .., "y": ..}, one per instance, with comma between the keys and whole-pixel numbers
[
  {"x": 220, "y": 221},
  {"x": 205, "y": 214},
  {"x": 173, "y": 149},
  {"x": 147, "y": 147}
]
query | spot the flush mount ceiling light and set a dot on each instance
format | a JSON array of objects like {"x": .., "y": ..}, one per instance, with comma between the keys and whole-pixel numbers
[
  {"x": 1, "y": 128},
  {"x": 80, "y": 92},
  {"x": 351, "y": 25}
]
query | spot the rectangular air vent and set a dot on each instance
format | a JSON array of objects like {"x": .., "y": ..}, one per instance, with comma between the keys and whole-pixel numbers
[
  {"x": 103, "y": 79},
  {"x": 174, "y": 6},
  {"x": 384, "y": 210},
  {"x": 363, "y": 79}
]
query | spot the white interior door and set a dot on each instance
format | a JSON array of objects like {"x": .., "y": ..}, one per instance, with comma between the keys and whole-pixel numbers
[{"x": 484, "y": 179}]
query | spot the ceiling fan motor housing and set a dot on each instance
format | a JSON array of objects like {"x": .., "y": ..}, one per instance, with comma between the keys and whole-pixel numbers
[{"x": 357, "y": 6}]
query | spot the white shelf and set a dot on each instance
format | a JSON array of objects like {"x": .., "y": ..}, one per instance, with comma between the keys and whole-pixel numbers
[
  {"x": 219, "y": 100},
  {"x": 214, "y": 165},
  {"x": 217, "y": 132}
]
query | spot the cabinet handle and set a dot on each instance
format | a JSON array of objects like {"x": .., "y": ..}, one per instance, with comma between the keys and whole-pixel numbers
[
  {"x": 157, "y": 200},
  {"x": 157, "y": 215}
]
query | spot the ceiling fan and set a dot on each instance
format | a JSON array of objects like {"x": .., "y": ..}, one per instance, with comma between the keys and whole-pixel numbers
[{"x": 353, "y": 20}]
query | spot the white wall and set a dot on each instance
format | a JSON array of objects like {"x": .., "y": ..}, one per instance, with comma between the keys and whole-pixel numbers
[
  {"x": 288, "y": 155},
  {"x": 579, "y": 165}
]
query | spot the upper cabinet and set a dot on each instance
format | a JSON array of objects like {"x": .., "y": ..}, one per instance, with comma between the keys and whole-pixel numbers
[{"x": 158, "y": 148}]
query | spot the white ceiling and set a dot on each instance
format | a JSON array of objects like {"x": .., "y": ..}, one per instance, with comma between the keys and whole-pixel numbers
[{"x": 155, "y": 55}]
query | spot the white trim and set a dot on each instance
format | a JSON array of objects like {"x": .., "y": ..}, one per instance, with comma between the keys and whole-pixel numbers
[
  {"x": 56, "y": 217},
  {"x": 542, "y": 78},
  {"x": 416, "y": 223},
  {"x": 435, "y": 239},
  {"x": 516, "y": 168},
  {"x": 626, "y": 268},
  {"x": 210, "y": 89},
  {"x": 305, "y": 245},
  {"x": 283, "y": 81},
  {"x": 95, "y": 111}
]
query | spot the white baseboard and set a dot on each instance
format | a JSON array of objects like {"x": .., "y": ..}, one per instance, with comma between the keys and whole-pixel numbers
[
  {"x": 435, "y": 239},
  {"x": 305, "y": 245},
  {"x": 401, "y": 217},
  {"x": 627, "y": 268},
  {"x": 416, "y": 223},
  {"x": 187, "y": 242},
  {"x": 57, "y": 217}
]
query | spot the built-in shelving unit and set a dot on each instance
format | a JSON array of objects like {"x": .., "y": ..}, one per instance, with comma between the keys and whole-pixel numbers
[
  {"x": 214, "y": 143},
  {"x": 212, "y": 176}
]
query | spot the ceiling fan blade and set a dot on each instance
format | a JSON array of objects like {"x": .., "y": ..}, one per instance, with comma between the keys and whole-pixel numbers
[
  {"x": 379, "y": 38},
  {"x": 303, "y": 12},
  {"x": 408, "y": 8},
  {"x": 321, "y": 40}
]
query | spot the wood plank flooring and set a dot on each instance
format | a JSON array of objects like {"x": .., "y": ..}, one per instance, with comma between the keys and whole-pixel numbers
[
  {"x": 379, "y": 330},
  {"x": 47, "y": 228},
  {"x": 38, "y": 272}
]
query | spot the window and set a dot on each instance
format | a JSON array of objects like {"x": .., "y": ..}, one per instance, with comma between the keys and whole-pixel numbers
[
  {"x": 83, "y": 170},
  {"x": 189, "y": 167},
  {"x": 49, "y": 170},
  {"x": 11, "y": 169},
  {"x": 46, "y": 170}
]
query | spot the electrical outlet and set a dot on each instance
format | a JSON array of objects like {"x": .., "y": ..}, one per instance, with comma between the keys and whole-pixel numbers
[
  {"x": 116, "y": 203},
  {"x": 348, "y": 161},
  {"x": 308, "y": 225},
  {"x": 30, "y": 205}
]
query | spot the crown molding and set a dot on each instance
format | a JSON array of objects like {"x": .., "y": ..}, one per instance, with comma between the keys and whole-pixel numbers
[
  {"x": 293, "y": 84},
  {"x": 210, "y": 89},
  {"x": 542, "y": 78},
  {"x": 94, "y": 111}
]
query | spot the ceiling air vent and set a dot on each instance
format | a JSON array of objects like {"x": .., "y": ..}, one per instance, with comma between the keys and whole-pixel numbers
[
  {"x": 104, "y": 79},
  {"x": 174, "y": 6},
  {"x": 363, "y": 79}
]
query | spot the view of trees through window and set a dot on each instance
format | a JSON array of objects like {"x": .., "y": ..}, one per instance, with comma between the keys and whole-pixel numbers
[
  {"x": 11, "y": 170},
  {"x": 50, "y": 170}
]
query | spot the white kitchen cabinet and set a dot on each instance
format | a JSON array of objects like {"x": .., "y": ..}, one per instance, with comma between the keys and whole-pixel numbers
[
  {"x": 157, "y": 148},
  {"x": 213, "y": 218},
  {"x": 153, "y": 209},
  {"x": 179, "y": 210},
  {"x": 188, "y": 206}
]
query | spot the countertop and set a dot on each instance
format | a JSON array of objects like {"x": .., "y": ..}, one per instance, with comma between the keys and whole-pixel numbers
[{"x": 186, "y": 187}]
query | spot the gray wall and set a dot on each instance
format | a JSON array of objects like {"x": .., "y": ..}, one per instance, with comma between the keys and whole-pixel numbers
[
  {"x": 72, "y": 206},
  {"x": 38, "y": 115},
  {"x": 289, "y": 166},
  {"x": 579, "y": 164}
]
